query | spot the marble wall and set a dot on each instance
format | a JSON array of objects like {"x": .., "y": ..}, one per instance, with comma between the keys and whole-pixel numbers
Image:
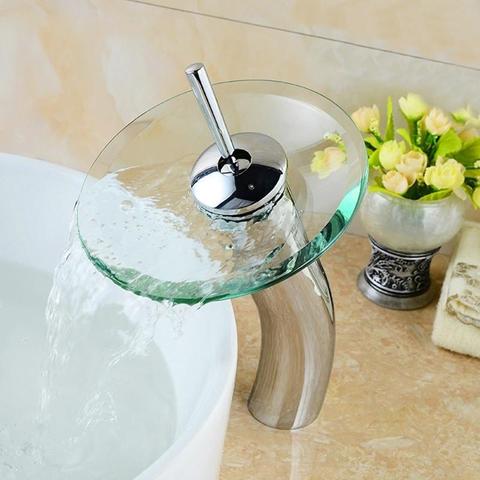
[
  {"x": 438, "y": 29},
  {"x": 75, "y": 71}
]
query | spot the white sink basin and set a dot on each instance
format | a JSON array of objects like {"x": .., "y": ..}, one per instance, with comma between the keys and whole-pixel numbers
[{"x": 36, "y": 203}]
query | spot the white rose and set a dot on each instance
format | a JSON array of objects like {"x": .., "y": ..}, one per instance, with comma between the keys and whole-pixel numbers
[
  {"x": 412, "y": 165},
  {"x": 413, "y": 106},
  {"x": 395, "y": 182},
  {"x": 391, "y": 153},
  {"x": 327, "y": 161},
  {"x": 367, "y": 119},
  {"x": 436, "y": 122}
]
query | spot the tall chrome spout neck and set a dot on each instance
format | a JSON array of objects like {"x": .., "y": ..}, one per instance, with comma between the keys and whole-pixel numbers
[{"x": 239, "y": 174}]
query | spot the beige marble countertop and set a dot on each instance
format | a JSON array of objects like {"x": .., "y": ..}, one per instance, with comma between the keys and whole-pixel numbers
[{"x": 397, "y": 407}]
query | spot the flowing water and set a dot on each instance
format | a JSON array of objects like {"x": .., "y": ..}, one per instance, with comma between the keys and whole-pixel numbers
[
  {"x": 89, "y": 393},
  {"x": 86, "y": 394}
]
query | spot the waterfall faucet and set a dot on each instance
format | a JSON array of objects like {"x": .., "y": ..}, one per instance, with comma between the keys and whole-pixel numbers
[
  {"x": 230, "y": 218},
  {"x": 235, "y": 178}
]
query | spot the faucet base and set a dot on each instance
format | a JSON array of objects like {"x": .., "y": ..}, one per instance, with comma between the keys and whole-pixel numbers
[{"x": 298, "y": 339}]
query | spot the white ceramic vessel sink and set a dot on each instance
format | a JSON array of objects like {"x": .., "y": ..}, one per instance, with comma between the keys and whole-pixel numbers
[{"x": 36, "y": 203}]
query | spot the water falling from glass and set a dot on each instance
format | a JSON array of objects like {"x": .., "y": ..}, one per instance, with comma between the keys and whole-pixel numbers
[{"x": 84, "y": 418}]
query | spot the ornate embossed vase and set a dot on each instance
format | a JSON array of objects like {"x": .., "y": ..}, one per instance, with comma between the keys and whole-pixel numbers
[{"x": 405, "y": 234}]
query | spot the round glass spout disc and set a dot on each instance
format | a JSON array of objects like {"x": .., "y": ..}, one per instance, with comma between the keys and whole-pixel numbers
[{"x": 139, "y": 222}]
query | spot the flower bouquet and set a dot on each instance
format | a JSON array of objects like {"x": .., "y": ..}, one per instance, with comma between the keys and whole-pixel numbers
[{"x": 420, "y": 176}]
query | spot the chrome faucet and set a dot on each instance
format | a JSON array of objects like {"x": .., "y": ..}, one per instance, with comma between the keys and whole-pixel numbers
[{"x": 236, "y": 178}]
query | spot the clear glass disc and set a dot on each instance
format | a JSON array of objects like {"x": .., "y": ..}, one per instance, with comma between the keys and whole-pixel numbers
[{"x": 139, "y": 223}]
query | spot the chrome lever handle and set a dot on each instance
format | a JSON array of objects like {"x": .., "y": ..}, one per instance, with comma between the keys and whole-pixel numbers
[{"x": 203, "y": 91}]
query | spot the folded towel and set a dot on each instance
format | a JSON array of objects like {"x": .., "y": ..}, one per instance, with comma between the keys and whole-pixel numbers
[{"x": 457, "y": 321}]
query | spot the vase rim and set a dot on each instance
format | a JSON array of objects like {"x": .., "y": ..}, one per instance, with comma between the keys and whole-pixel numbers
[{"x": 430, "y": 203}]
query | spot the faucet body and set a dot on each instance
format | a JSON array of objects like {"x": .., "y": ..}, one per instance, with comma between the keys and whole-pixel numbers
[
  {"x": 298, "y": 340},
  {"x": 298, "y": 331}
]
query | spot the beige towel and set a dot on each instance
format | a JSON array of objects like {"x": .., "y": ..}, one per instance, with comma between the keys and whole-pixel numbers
[{"x": 457, "y": 322}]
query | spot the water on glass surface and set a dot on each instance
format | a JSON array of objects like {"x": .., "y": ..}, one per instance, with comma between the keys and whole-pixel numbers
[
  {"x": 86, "y": 394},
  {"x": 146, "y": 233}
]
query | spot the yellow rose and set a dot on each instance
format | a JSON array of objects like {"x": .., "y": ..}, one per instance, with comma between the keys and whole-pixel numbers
[
  {"x": 412, "y": 165},
  {"x": 391, "y": 153},
  {"x": 468, "y": 134},
  {"x": 436, "y": 122},
  {"x": 367, "y": 119},
  {"x": 446, "y": 174},
  {"x": 413, "y": 106},
  {"x": 327, "y": 161},
  {"x": 476, "y": 197},
  {"x": 395, "y": 182}
]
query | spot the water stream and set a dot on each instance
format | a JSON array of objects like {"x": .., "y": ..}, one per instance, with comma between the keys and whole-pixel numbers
[{"x": 86, "y": 393}]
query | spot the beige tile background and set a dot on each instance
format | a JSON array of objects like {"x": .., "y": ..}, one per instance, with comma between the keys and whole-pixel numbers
[
  {"x": 75, "y": 71},
  {"x": 444, "y": 30}
]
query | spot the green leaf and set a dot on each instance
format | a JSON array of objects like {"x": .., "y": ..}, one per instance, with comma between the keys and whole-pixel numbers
[
  {"x": 378, "y": 189},
  {"x": 438, "y": 195},
  {"x": 472, "y": 173},
  {"x": 389, "y": 129},
  {"x": 403, "y": 132},
  {"x": 448, "y": 144},
  {"x": 412, "y": 130},
  {"x": 372, "y": 141},
  {"x": 429, "y": 145},
  {"x": 470, "y": 153},
  {"x": 374, "y": 159}
]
